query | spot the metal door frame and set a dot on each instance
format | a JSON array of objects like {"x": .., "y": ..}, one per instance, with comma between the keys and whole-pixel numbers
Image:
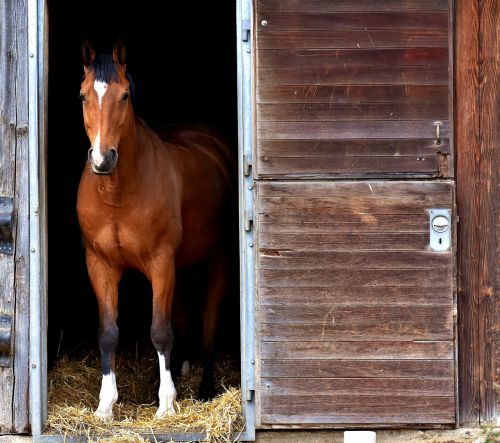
[{"x": 37, "y": 96}]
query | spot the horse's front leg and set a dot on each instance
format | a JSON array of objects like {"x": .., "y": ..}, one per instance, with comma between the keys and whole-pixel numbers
[
  {"x": 162, "y": 336},
  {"x": 105, "y": 281}
]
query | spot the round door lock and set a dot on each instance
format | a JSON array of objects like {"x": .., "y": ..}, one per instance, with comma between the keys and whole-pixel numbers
[{"x": 440, "y": 223}]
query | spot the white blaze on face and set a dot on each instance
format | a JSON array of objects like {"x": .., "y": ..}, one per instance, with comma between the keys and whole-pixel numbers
[
  {"x": 167, "y": 393},
  {"x": 100, "y": 89},
  {"x": 96, "y": 150},
  {"x": 107, "y": 396}
]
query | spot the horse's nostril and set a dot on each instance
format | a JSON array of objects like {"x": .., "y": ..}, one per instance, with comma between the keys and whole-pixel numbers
[{"x": 111, "y": 155}]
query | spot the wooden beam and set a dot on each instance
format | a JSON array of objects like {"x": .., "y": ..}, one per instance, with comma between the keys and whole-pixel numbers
[
  {"x": 478, "y": 165},
  {"x": 489, "y": 210}
]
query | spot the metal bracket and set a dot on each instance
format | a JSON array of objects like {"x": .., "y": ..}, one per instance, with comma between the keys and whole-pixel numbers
[
  {"x": 5, "y": 340},
  {"x": 248, "y": 220},
  {"x": 6, "y": 225},
  {"x": 247, "y": 165}
]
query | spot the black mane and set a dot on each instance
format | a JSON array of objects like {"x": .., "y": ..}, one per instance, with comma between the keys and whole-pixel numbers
[{"x": 106, "y": 70}]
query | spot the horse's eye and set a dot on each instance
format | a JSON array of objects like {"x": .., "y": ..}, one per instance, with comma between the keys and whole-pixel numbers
[
  {"x": 83, "y": 97},
  {"x": 125, "y": 96}
]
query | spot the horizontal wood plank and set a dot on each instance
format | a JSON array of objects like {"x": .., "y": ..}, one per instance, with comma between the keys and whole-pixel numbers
[
  {"x": 405, "y": 20},
  {"x": 313, "y": 130},
  {"x": 318, "y": 6},
  {"x": 357, "y": 111},
  {"x": 318, "y": 369},
  {"x": 357, "y": 350},
  {"x": 367, "y": 332},
  {"x": 351, "y": 148},
  {"x": 354, "y": 94},
  {"x": 360, "y": 278},
  {"x": 352, "y": 76},
  {"x": 352, "y": 39},
  {"x": 359, "y": 386},
  {"x": 327, "y": 58},
  {"x": 345, "y": 295},
  {"x": 312, "y": 314},
  {"x": 372, "y": 167}
]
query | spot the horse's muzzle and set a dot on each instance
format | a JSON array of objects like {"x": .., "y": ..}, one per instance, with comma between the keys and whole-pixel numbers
[{"x": 108, "y": 165}]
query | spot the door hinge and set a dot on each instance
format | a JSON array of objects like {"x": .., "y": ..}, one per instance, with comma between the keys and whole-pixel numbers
[
  {"x": 6, "y": 225},
  {"x": 245, "y": 30},
  {"x": 247, "y": 165},
  {"x": 248, "y": 219},
  {"x": 250, "y": 394},
  {"x": 5, "y": 340}
]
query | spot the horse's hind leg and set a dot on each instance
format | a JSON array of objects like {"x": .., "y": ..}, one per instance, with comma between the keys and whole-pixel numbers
[
  {"x": 217, "y": 285},
  {"x": 105, "y": 283},
  {"x": 162, "y": 336}
]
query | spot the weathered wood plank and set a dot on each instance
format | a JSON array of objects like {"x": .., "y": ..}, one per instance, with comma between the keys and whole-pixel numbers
[
  {"x": 352, "y": 39},
  {"x": 327, "y": 58},
  {"x": 346, "y": 223},
  {"x": 489, "y": 208},
  {"x": 359, "y": 278},
  {"x": 313, "y": 130},
  {"x": 355, "y": 148},
  {"x": 375, "y": 420},
  {"x": 353, "y": 94},
  {"x": 366, "y": 332},
  {"x": 14, "y": 269},
  {"x": 357, "y": 350},
  {"x": 406, "y": 20},
  {"x": 8, "y": 126},
  {"x": 312, "y": 314},
  {"x": 350, "y": 5},
  {"x": 468, "y": 199},
  {"x": 344, "y": 295},
  {"x": 357, "y": 193},
  {"x": 356, "y": 111},
  {"x": 344, "y": 76},
  {"x": 359, "y": 386},
  {"x": 373, "y": 167},
  {"x": 318, "y": 369}
]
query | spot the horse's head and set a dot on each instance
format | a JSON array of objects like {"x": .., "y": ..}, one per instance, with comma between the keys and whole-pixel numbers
[{"x": 107, "y": 108}]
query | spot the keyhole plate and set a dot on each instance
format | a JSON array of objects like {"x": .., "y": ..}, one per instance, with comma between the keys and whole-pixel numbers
[{"x": 440, "y": 229}]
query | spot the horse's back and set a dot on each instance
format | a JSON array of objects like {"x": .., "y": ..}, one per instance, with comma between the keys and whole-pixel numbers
[{"x": 205, "y": 163}]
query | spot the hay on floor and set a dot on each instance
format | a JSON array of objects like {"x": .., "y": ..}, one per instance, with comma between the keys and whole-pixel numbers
[{"x": 74, "y": 394}]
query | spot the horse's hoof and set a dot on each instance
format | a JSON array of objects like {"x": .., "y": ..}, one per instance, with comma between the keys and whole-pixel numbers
[
  {"x": 186, "y": 369},
  {"x": 164, "y": 412},
  {"x": 104, "y": 414}
]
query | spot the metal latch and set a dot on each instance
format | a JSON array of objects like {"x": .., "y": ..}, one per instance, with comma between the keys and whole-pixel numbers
[
  {"x": 247, "y": 165},
  {"x": 6, "y": 225},
  {"x": 440, "y": 229},
  {"x": 5, "y": 340}
]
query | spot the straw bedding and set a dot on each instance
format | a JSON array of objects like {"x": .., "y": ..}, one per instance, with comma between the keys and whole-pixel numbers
[{"x": 74, "y": 392}]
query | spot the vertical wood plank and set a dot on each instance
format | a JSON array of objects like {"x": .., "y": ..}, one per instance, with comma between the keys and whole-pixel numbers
[
  {"x": 8, "y": 127},
  {"x": 489, "y": 50},
  {"x": 468, "y": 166},
  {"x": 14, "y": 272},
  {"x": 20, "y": 405}
]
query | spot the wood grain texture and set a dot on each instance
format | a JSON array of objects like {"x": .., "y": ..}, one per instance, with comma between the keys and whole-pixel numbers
[
  {"x": 467, "y": 138},
  {"x": 489, "y": 210},
  {"x": 14, "y": 269},
  {"x": 351, "y": 5},
  {"x": 356, "y": 70},
  {"x": 348, "y": 288}
]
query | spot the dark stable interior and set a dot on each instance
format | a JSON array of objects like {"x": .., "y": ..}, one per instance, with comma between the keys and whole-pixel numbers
[{"x": 181, "y": 56}]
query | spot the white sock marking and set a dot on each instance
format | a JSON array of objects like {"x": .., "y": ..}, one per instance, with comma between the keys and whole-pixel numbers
[
  {"x": 167, "y": 393},
  {"x": 100, "y": 88},
  {"x": 107, "y": 396}
]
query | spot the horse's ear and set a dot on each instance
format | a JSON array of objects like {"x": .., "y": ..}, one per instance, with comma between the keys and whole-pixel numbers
[
  {"x": 88, "y": 54},
  {"x": 120, "y": 53}
]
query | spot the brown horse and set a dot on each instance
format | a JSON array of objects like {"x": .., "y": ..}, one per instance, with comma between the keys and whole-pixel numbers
[{"x": 153, "y": 204}]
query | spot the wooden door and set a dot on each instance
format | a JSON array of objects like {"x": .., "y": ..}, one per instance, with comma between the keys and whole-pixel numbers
[
  {"x": 14, "y": 263},
  {"x": 355, "y": 311}
]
